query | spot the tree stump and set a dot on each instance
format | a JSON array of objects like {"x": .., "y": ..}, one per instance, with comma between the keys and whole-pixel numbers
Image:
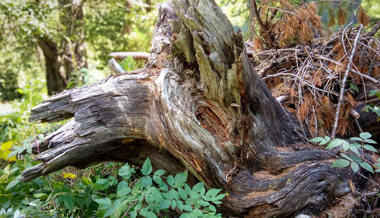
[{"x": 198, "y": 105}]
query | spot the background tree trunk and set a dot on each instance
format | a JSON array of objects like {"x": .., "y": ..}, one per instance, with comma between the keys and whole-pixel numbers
[
  {"x": 199, "y": 105},
  {"x": 56, "y": 80},
  {"x": 73, "y": 42},
  {"x": 65, "y": 59}
]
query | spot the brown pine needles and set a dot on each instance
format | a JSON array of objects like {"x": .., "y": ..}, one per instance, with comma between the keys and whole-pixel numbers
[{"x": 307, "y": 78}]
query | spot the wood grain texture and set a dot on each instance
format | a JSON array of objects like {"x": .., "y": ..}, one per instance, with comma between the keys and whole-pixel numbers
[{"x": 199, "y": 105}]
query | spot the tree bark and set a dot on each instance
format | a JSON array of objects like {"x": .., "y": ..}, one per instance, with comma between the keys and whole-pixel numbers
[
  {"x": 56, "y": 80},
  {"x": 63, "y": 60},
  {"x": 199, "y": 105},
  {"x": 73, "y": 42}
]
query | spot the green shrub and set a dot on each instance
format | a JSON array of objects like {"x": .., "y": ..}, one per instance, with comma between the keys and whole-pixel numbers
[
  {"x": 351, "y": 154},
  {"x": 153, "y": 194}
]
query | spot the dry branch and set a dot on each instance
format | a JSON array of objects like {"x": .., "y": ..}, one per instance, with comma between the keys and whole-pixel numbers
[
  {"x": 343, "y": 84},
  {"x": 135, "y": 55},
  {"x": 311, "y": 77}
]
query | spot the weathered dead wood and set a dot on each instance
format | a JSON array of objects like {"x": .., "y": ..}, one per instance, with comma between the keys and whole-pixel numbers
[
  {"x": 197, "y": 105},
  {"x": 115, "y": 67},
  {"x": 135, "y": 55}
]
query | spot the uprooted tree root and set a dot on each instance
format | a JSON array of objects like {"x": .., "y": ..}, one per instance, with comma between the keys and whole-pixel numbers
[
  {"x": 307, "y": 79},
  {"x": 326, "y": 84}
]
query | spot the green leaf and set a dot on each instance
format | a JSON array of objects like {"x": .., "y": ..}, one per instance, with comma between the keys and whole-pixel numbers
[
  {"x": 345, "y": 145},
  {"x": 159, "y": 172},
  {"x": 216, "y": 202},
  {"x": 102, "y": 184},
  {"x": 68, "y": 201},
  {"x": 170, "y": 180},
  {"x": 203, "y": 203},
  {"x": 150, "y": 214},
  {"x": 109, "y": 212},
  {"x": 185, "y": 215},
  {"x": 327, "y": 139},
  {"x": 356, "y": 139},
  {"x": 146, "y": 181},
  {"x": 113, "y": 180},
  {"x": 317, "y": 139},
  {"x": 365, "y": 135},
  {"x": 338, "y": 142},
  {"x": 40, "y": 195},
  {"x": 376, "y": 109},
  {"x": 13, "y": 183},
  {"x": 345, "y": 156},
  {"x": 194, "y": 195},
  {"x": 174, "y": 194},
  {"x": 370, "y": 141},
  {"x": 123, "y": 189},
  {"x": 356, "y": 159},
  {"x": 182, "y": 193},
  {"x": 219, "y": 197},
  {"x": 320, "y": 140},
  {"x": 164, "y": 187},
  {"x": 213, "y": 192},
  {"x": 374, "y": 92},
  {"x": 366, "y": 166},
  {"x": 167, "y": 195},
  {"x": 354, "y": 166},
  {"x": 126, "y": 171},
  {"x": 187, "y": 208},
  {"x": 133, "y": 214},
  {"x": 190, "y": 201},
  {"x": 174, "y": 204},
  {"x": 180, "y": 205},
  {"x": 138, "y": 206},
  {"x": 146, "y": 168},
  {"x": 355, "y": 150},
  {"x": 180, "y": 179},
  {"x": 198, "y": 187},
  {"x": 198, "y": 212},
  {"x": 369, "y": 148},
  {"x": 103, "y": 201},
  {"x": 188, "y": 189},
  {"x": 157, "y": 179},
  {"x": 340, "y": 163},
  {"x": 356, "y": 145},
  {"x": 212, "y": 208},
  {"x": 353, "y": 86},
  {"x": 165, "y": 204}
]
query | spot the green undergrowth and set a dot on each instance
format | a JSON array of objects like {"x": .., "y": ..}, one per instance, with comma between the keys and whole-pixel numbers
[{"x": 104, "y": 190}]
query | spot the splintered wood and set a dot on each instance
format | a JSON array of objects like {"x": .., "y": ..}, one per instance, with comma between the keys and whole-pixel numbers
[{"x": 307, "y": 79}]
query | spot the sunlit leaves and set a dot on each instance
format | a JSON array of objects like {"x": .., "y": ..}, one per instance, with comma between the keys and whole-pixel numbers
[
  {"x": 5, "y": 151},
  {"x": 68, "y": 175}
]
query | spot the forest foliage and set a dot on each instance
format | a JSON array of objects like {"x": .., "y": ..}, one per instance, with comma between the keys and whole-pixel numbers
[{"x": 110, "y": 26}]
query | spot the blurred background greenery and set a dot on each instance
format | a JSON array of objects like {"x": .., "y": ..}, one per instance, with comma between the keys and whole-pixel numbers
[{"x": 66, "y": 43}]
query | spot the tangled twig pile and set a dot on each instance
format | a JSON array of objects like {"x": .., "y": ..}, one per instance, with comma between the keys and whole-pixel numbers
[{"x": 325, "y": 81}]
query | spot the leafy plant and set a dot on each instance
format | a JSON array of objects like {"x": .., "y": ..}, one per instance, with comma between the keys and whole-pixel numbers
[
  {"x": 374, "y": 108},
  {"x": 81, "y": 78},
  {"x": 352, "y": 153},
  {"x": 154, "y": 194},
  {"x": 128, "y": 64}
]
